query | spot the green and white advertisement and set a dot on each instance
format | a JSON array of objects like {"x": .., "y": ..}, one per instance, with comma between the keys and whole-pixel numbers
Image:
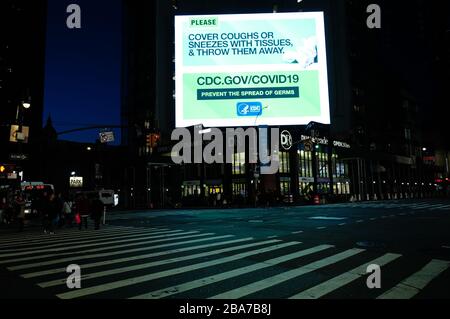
[{"x": 251, "y": 69}]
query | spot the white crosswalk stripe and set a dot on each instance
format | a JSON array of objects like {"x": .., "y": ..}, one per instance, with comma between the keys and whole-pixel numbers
[
  {"x": 412, "y": 285},
  {"x": 230, "y": 274},
  {"x": 63, "y": 243},
  {"x": 156, "y": 263},
  {"x": 97, "y": 250},
  {"x": 116, "y": 259},
  {"x": 171, "y": 272},
  {"x": 42, "y": 238},
  {"x": 285, "y": 276},
  {"x": 138, "y": 257},
  {"x": 344, "y": 279},
  {"x": 60, "y": 249}
]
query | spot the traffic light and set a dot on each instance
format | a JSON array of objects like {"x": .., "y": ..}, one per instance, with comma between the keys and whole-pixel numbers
[{"x": 7, "y": 168}]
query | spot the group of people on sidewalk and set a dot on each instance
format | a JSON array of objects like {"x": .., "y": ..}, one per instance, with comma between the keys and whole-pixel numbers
[{"x": 54, "y": 211}]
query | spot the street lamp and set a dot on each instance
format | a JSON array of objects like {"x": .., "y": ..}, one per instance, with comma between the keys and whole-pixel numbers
[{"x": 25, "y": 105}]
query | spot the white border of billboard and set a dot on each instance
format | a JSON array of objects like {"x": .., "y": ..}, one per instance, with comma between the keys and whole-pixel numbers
[{"x": 180, "y": 70}]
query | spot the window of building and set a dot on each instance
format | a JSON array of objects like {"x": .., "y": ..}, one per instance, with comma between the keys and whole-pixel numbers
[
  {"x": 238, "y": 164},
  {"x": 305, "y": 167},
  {"x": 285, "y": 186},
  {"x": 240, "y": 189},
  {"x": 284, "y": 163},
  {"x": 341, "y": 188},
  {"x": 191, "y": 190},
  {"x": 305, "y": 188},
  {"x": 322, "y": 161}
]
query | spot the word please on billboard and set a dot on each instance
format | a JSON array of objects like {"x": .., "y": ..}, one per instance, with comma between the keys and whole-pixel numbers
[{"x": 214, "y": 151}]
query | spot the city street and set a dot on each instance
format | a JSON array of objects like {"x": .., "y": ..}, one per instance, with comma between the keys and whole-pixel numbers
[{"x": 294, "y": 252}]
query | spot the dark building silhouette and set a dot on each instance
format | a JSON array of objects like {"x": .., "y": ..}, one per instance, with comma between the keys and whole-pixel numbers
[{"x": 22, "y": 56}]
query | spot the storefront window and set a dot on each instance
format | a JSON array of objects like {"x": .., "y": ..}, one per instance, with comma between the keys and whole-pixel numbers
[
  {"x": 284, "y": 163},
  {"x": 322, "y": 160},
  {"x": 305, "y": 167},
  {"x": 191, "y": 190},
  {"x": 238, "y": 163},
  {"x": 240, "y": 189},
  {"x": 285, "y": 186}
]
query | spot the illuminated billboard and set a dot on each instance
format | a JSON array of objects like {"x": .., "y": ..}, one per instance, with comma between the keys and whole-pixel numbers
[{"x": 251, "y": 69}]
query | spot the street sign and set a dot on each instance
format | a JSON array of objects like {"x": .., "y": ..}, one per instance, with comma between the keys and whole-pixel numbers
[
  {"x": 76, "y": 182},
  {"x": 18, "y": 157},
  {"x": 106, "y": 137},
  {"x": 19, "y": 134}
]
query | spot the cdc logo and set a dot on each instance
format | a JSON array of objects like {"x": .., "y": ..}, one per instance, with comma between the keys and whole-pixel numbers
[{"x": 249, "y": 109}]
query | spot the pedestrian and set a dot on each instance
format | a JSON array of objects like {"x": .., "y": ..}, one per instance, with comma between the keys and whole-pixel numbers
[
  {"x": 2, "y": 209},
  {"x": 82, "y": 209},
  {"x": 44, "y": 209},
  {"x": 97, "y": 209},
  {"x": 67, "y": 212},
  {"x": 20, "y": 211},
  {"x": 60, "y": 219},
  {"x": 52, "y": 213}
]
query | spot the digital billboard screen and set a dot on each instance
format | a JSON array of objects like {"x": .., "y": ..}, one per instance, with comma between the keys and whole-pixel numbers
[{"x": 251, "y": 69}]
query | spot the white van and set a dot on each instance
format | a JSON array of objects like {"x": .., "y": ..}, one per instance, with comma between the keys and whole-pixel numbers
[{"x": 106, "y": 196}]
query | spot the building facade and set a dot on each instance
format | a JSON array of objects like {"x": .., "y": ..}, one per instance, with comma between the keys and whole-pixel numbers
[{"x": 374, "y": 149}]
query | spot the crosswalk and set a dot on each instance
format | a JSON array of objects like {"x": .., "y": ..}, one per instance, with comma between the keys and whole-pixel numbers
[
  {"x": 160, "y": 262},
  {"x": 394, "y": 204}
]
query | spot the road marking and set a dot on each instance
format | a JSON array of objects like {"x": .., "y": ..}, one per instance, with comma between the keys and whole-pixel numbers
[
  {"x": 256, "y": 221},
  {"x": 297, "y": 232},
  {"x": 438, "y": 207},
  {"x": 139, "y": 257},
  {"x": 90, "y": 240},
  {"x": 343, "y": 224},
  {"x": 343, "y": 279},
  {"x": 69, "y": 235},
  {"x": 360, "y": 221},
  {"x": 23, "y": 266},
  {"x": 162, "y": 293},
  {"x": 412, "y": 285},
  {"x": 122, "y": 270},
  {"x": 446, "y": 247},
  {"x": 28, "y": 252},
  {"x": 272, "y": 237},
  {"x": 327, "y": 218},
  {"x": 283, "y": 277},
  {"x": 115, "y": 253},
  {"x": 166, "y": 273},
  {"x": 320, "y": 228}
]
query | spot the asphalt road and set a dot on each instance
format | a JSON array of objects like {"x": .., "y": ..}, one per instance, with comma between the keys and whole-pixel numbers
[{"x": 277, "y": 253}]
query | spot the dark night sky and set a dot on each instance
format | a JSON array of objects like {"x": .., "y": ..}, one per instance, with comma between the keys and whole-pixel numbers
[{"x": 83, "y": 68}]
